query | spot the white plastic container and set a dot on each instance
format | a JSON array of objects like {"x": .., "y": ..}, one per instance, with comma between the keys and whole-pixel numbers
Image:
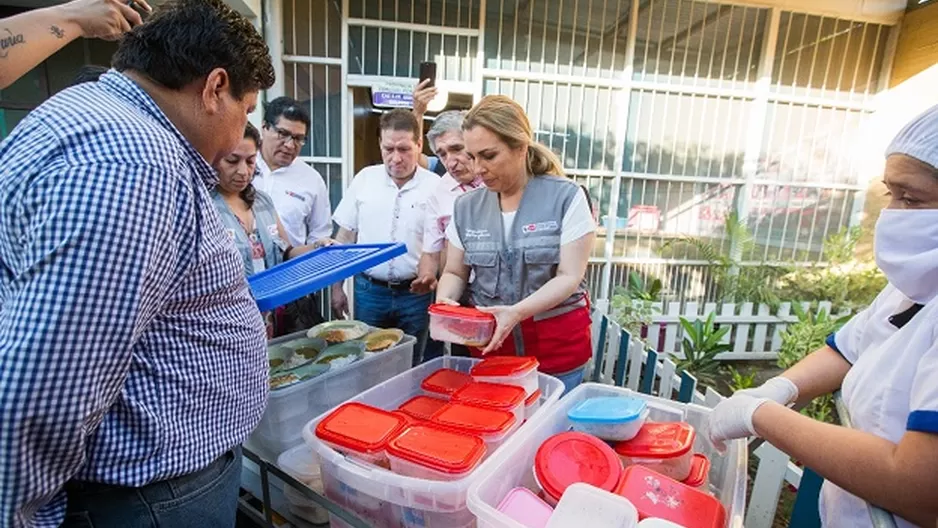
[
  {"x": 408, "y": 501},
  {"x": 532, "y": 404},
  {"x": 658, "y": 523},
  {"x": 588, "y": 506},
  {"x": 290, "y": 408},
  {"x": 508, "y": 370},
  {"x": 511, "y": 467},
  {"x": 667, "y": 448},
  {"x": 508, "y": 398},
  {"x": 613, "y": 419},
  {"x": 300, "y": 463},
  {"x": 524, "y": 507},
  {"x": 429, "y": 452},
  {"x": 461, "y": 325}
]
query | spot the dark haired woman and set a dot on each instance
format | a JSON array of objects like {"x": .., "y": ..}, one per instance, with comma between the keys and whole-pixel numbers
[{"x": 249, "y": 214}]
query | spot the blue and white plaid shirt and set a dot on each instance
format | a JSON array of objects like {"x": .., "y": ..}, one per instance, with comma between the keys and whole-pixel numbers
[{"x": 131, "y": 350}]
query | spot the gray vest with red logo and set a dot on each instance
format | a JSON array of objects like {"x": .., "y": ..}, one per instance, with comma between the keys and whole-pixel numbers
[{"x": 508, "y": 271}]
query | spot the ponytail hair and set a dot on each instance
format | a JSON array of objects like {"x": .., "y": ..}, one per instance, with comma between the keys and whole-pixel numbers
[{"x": 506, "y": 119}]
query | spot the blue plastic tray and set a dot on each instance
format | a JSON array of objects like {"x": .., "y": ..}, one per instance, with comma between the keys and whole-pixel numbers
[{"x": 315, "y": 270}]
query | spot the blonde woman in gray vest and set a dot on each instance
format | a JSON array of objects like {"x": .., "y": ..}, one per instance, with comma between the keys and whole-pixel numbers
[{"x": 527, "y": 235}]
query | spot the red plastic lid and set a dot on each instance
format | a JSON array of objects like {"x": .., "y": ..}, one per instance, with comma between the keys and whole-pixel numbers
[
  {"x": 474, "y": 419},
  {"x": 568, "y": 458},
  {"x": 360, "y": 428},
  {"x": 659, "y": 440},
  {"x": 461, "y": 312},
  {"x": 439, "y": 449},
  {"x": 495, "y": 395},
  {"x": 422, "y": 407},
  {"x": 655, "y": 495},
  {"x": 532, "y": 399},
  {"x": 504, "y": 366},
  {"x": 699, "y": 469},
  {"x": 408, "y": 419},
  {"x": 445, "y": 381}
]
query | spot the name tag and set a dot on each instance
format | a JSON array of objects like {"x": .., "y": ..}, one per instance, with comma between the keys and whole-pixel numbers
[{"x": 540, "y": 227}]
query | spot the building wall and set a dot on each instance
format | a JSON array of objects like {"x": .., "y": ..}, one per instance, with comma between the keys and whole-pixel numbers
[{"x": 917, "y": 48}]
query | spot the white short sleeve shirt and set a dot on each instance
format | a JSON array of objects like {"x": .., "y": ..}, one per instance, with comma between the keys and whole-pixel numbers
[
  {"x": 379, "y": 212},
  {"x": 889, "y": 390},
  {"x": 301, "y": 199},
  {"x": 440, "y": 210}
]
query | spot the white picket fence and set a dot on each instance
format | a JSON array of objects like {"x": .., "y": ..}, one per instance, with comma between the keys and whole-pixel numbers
[{"x": 756, "y": 333}]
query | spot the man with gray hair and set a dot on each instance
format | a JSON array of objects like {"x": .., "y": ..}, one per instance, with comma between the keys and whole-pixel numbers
[{"x": 445, "y": 138}]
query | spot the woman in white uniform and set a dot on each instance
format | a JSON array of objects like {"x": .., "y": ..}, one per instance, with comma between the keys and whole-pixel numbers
[{"x": 885, "y": 361}]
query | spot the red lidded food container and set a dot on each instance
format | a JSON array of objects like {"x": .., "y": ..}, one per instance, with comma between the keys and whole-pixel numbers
[
  {"x": 492, "y": 425},
  {"x": 655, "y": 495},
  {"x": 568, "y": 458},
  {"x": 461, "y": 325},
  {"x": 430, "y": 452},
  {"x": 532, "y": 404},
  {"x": 422, "y": 407},
  {"x": 699, "y": 473},
  {"x": 495, "y": 395},
  {"x": 666, "y": 447},
  {"x": 360, "y": 430},
  {"x": 444, "y": 382},
  {"x": 509, "y": 370}
]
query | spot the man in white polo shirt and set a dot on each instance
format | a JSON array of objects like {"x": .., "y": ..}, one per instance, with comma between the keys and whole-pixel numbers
[
  {"x": 298, "y": 190},
  {"x": 384, "y": 203}
]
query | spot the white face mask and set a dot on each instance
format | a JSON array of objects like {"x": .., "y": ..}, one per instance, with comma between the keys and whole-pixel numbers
[{"x": 906, "y": 247}]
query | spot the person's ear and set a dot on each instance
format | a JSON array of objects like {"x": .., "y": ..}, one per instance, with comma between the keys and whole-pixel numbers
[{"x": 217, "y": 84}]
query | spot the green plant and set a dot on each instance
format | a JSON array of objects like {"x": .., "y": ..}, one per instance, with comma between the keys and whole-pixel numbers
[
  {"x": 633, "y": 307},
  {"x": 802, "y": 338},
  {"x": 740, "y": 381},
  {"x": 701, "y": 344},
  {"x": 640, "y": 289}
]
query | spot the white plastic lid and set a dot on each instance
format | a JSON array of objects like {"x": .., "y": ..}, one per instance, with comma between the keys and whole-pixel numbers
[
  {"x": 585, "y": 505},
  {"x": 300, "y": 462},
  {"x": 653, "y": 522}
]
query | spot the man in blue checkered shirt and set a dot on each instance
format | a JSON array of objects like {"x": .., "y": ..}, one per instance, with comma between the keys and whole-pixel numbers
[{"x": 132, "y": 356}]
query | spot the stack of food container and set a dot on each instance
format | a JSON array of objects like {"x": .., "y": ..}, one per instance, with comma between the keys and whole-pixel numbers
[
  {"x": 608, "y": 457},
  {"x": 402, "y": 453}
]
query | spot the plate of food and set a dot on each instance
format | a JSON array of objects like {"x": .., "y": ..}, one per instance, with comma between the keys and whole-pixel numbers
[
  {"x": 383, "y": 339},
  {"x": 339, "y": 331},
  {"x": 342, "y": 354},
  {"x": 308, "y": 347}
]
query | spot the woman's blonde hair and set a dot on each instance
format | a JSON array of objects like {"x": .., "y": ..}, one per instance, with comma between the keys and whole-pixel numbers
[{"x": 506, "y": 119}]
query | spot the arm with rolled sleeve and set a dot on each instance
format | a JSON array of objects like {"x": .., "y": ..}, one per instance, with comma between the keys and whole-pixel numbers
[
  {"x": 319, "y": 221},
  {"x": 93, "y": 266}
]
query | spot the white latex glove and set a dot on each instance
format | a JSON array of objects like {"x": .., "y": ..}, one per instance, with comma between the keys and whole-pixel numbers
[
  {"x": 732, "y": 419},
  {"x": 778, "y": 389}
]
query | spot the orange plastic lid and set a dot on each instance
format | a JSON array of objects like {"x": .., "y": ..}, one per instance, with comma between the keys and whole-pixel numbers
[
  {"x": 438, "y": 449},
  {"x": 532, "y": 399},
  {"x": 474, "y": 419},
  {"x": 495, "y": 395},
  {"x": 461, "y": 312},
  {"x": 422, "y": 407},
  {"x": 568, "y": 458},
  {"x": 655, "y": 495},
  {"x": 498, "y": 366},
  {"x": 699, "y": 469},
  {"x": 445, "y": 381},
  {"x": 659, "y": 440},
  {"x": 359, "y": 428}
]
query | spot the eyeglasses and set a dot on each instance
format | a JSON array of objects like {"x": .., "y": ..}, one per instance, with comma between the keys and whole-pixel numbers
[{"x": 284, "y": 135}]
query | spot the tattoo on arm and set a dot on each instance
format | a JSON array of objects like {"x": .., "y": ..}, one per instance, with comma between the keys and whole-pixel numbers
[
  {"x": 7, "y": 40},
  {"x": 57, "y": 31}
]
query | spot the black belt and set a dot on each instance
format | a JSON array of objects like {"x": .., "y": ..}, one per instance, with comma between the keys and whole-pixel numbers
[{"x": 393, "y": 285}]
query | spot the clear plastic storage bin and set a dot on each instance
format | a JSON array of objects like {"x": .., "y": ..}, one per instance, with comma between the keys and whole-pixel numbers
[
  {"x": 461, "y": 325},
  {"x": 508, "y": 370},
  {"x": 397, "y": 499},
  {"x": 667, "y": 448},
  {"x": 612, "y": 419},
  {"x": 590, "y": 507},
  {"x": 511, "y": 466},
  {"x": 290, "y": 408}
]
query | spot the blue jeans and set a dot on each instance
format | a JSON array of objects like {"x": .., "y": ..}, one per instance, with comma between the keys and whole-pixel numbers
[
  {"x": 571, "y": 379},
  {"x": 384, "y": 307},
  {"x": 206, "y": 498}
]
